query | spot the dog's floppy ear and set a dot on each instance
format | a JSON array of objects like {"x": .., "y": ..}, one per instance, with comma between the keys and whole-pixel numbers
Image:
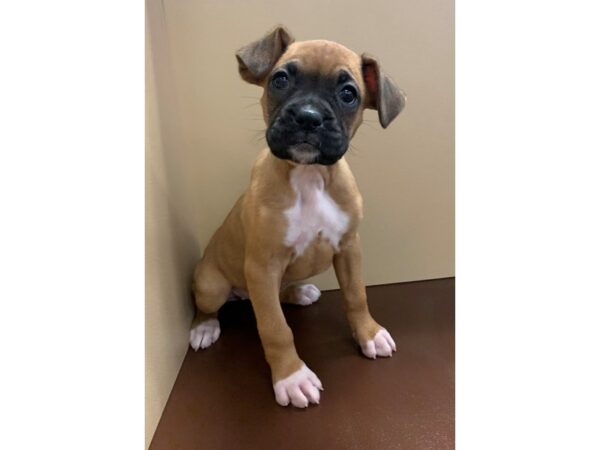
[
  {"x": 382, "y": 93},
  {"x": 256, "y": 60}
]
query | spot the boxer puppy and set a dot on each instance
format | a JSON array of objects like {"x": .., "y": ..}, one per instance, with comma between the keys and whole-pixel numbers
[{"x": 301, "y": 211}]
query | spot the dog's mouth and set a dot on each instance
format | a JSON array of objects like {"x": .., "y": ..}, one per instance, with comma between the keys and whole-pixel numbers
[
  {"x": 302, "y": 147},
  {"x": 304, "y": 153}
]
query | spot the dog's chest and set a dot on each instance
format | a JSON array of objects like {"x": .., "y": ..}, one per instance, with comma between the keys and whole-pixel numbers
[{"x": 314, "y": 213}]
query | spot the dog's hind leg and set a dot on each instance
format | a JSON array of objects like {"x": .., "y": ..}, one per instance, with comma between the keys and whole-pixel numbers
[{"x": 211, "y": 290}]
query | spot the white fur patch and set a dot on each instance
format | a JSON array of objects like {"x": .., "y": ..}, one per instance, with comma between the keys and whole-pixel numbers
[
  {"x": 314, "y": 212},
  {"x": 381, "y": 345},
  {"x": 300, "y": 388},
  {"x": 305, "y": 294},
  {"x": 304, "y": 154},
  {"x": 205, "y": 334}
]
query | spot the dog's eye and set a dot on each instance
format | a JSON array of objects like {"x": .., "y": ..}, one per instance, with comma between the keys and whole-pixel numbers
[
  {"x": 280, "y": 81},
  {"x": 348, "y": 95}
]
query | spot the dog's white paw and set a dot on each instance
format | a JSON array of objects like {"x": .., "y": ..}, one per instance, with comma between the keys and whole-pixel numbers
[
  {"x": 205, "y": 334},
  {"x": 305, "y": 295},
  {"x": 300, "y": 388},
  {"x": 381, "y": 345}
]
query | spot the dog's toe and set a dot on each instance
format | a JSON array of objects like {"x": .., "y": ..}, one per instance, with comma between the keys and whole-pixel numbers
[
  {"x": 306, "y": 294},
  {"x": 300, "y": 389},
  {"x": 205, "y": 334},
  {"x": 382, "y": 344}
]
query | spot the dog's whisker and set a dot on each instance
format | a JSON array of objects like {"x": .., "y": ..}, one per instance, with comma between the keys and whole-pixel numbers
[
  {"x": 259, "y": 136},
  {"x": 354, "y": 150}
]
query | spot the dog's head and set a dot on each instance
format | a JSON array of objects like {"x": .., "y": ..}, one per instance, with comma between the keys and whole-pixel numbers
[{"x": 314, "y": 94}]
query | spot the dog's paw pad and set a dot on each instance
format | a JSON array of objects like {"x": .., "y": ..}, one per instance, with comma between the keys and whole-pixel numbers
[
  {"x": 381, "y": 345},
  {"x": 205, "y": 334},
  {"x": 300, "y": 388},
  {"x": 306, "y": 294}
]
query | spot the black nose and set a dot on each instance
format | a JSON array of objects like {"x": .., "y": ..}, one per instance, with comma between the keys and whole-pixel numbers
[{"x": 308, "y": 118}]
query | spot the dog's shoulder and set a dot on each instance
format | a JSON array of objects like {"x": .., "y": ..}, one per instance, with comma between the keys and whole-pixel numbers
[{"x": 344, "y": 190}]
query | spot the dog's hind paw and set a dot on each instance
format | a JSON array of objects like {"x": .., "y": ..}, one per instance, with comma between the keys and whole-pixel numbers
[
  {"x": 205, "y": 334},
  {"x": 304, "y": 295}
]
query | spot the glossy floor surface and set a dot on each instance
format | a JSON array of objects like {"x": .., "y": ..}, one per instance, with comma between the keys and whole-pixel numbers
[{"x": 223, "y": 398}]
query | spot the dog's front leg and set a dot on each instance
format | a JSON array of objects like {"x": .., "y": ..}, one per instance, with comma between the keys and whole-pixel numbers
[
  {"x": 293, "y": 381},
  {"x": 374, "y": 340}
]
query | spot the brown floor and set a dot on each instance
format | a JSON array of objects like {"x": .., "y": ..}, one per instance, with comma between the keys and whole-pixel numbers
[{"x": 223, "y": 398}]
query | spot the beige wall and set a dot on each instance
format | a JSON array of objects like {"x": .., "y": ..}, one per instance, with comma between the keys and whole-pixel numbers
[
  {"x": 172, "y": 246},
  {"x": 205, "y": 129}
]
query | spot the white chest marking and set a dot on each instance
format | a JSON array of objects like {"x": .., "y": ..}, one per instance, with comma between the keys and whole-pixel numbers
[{"x": 313, "y": 213}]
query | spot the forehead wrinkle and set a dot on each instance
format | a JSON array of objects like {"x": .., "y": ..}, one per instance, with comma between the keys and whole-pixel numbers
[{"x": 325, "y": 58}]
